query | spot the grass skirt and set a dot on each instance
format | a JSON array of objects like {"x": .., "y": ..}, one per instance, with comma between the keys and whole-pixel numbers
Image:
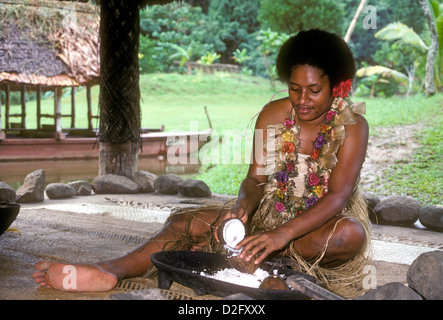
[{"x": 345, "y": 280}]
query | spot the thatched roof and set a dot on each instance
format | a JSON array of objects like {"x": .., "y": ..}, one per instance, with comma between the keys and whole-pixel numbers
[{"x": 49, "y": 43}]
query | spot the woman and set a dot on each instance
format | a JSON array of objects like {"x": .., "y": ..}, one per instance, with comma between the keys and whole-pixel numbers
[{"x": 300, "y": 196}]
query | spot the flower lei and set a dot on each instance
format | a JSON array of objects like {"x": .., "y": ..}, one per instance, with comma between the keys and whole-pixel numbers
[{"x": 317, "y": 177}]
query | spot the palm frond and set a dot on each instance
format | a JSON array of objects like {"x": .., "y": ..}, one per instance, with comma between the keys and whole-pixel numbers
[
  {"x": 383, "y": 72},
  {"x": 401, "y": 33}
]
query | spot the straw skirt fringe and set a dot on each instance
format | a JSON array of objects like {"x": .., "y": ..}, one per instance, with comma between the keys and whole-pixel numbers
[{"x": 346, "y": 280}]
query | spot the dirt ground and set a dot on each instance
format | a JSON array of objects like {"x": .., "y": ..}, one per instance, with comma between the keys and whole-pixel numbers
[{"x": 386, "y": 147}]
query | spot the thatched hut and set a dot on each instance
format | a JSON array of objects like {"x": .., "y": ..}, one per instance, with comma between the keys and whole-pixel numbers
[
  {"x": 119, "y": 101},
  {"x": 57, "y": 47}
]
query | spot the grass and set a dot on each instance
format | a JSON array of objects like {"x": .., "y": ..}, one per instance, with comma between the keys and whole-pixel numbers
[
  {"x": 178, "y": 101},
  {"x": 420, "y": 177}
]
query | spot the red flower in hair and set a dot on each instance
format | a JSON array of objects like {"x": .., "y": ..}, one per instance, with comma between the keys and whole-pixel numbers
[{"x": 342, "y": 89}]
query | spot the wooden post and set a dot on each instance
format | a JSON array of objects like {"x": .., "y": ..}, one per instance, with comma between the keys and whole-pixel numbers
[
  {"x": 119, "y": 130},
  {"x": 73, "y": 89},
  {"x": 58, "y": 93},
  {"x": 39, "y": 107},
  {"x": 2, "y": 134},
  {"x": 7, "y": 106},
  {"x": 23, "y": 103},
  {"x": 124, "y": 152},
  {"x": 88, "y": 98}
]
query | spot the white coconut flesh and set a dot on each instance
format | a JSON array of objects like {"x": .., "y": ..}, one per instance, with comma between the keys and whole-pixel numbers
[{"x": 233, "y": 232}]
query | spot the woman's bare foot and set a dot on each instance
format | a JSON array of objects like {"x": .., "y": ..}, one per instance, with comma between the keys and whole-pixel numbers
[{"x": 66, "y": 277}]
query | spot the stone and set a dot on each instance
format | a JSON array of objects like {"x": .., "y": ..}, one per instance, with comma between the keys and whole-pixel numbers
[
  {"x": 60, "y": 191},
  {"x": 7, "y": 193},
  {"x": 168, "y": 183},
  {"x": 82, "y": 188},
  {"x": 145, "y": 180},
  {"x": 33, "y": 188},
  {"x": 112, "y": 183},
  {"x": 432, "y": 217},
  {"x": 372, "y": 201},
  {"x": 425, "y": 275},
  {"x": 391, "y": 291},
  {"x": 397, "y": 211},
  {"x": 194, "y": 188}
]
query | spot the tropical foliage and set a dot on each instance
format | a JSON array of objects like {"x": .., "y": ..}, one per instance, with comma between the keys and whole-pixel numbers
[
  {"x": 250, "y": 33},
  {"x": 409, "y": 52}
]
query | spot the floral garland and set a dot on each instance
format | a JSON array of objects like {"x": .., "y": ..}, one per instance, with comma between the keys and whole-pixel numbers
[{"x": 317, "y": 177}]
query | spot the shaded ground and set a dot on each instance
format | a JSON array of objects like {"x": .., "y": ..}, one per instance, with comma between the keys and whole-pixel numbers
[{"x": 92, "y": 228}]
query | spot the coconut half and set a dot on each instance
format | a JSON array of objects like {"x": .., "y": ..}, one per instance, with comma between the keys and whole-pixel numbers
[{"x": 231, "y": 232}]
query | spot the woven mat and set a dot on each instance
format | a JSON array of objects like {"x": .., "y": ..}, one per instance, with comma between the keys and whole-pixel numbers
[
  {"x": 43, "y": 234},
  {"x": 75, "y": 238}
]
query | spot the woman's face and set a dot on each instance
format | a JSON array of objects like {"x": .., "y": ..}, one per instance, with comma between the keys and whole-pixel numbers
[{"x": 309, "y": 93}]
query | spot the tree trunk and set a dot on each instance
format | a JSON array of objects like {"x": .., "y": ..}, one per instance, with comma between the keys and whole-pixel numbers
[
  {"x": 119, "y": 130},
  {"x": 432, "y": 51},
  {"x": 354, "y": 21}
]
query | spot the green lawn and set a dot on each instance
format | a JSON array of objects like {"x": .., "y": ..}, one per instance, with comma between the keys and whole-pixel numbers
[{"x": 178, "y": 101}]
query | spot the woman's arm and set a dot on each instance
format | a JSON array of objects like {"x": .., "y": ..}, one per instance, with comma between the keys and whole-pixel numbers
[
  {"x": 341, "y": 184},
  {"x": 252, "y": 187}
]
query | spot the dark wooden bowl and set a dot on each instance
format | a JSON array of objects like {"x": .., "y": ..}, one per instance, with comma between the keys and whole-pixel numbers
[{"x": 8, "y": 213}]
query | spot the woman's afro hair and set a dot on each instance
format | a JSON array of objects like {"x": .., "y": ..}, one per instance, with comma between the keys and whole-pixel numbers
[{"x": 320, "y": 49}]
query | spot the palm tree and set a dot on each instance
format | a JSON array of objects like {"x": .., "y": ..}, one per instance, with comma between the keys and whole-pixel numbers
[{"x": 402, "y": 34}]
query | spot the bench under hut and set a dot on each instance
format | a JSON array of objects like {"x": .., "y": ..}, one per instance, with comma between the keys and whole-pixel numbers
[{"x": 55, "y": 50}]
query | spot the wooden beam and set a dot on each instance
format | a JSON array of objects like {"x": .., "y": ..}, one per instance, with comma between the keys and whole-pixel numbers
[{"x": 58, "y": 93}]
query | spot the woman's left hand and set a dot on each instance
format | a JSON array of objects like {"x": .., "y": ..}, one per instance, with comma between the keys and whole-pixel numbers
[{"x": 262, "y": 244}]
